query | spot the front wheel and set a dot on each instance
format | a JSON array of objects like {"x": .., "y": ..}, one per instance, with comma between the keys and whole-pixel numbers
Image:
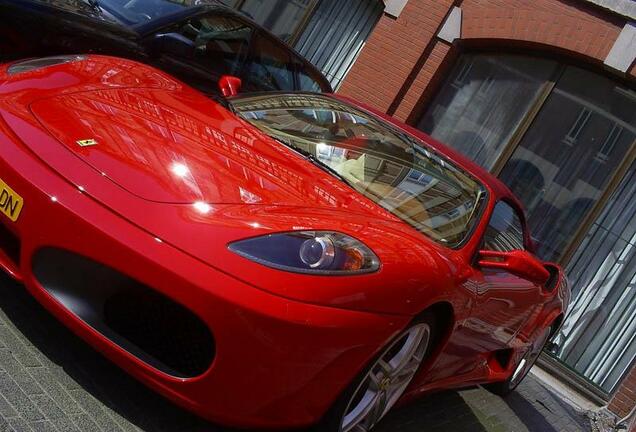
[
  {"x": 382, "y": 384},
  {"x": 523, "y": 367}
]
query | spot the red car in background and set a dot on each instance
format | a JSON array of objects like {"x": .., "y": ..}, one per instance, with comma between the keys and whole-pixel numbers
[{"x": 275, "y": 260}]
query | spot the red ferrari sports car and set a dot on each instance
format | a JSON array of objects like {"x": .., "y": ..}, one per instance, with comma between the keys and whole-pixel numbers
[{"x": 268, "y": 260}]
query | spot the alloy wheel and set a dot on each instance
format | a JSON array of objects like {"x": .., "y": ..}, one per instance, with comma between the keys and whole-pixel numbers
[
  {"x": 529, "y": 359},
  {"x": 386, "y": 380}
]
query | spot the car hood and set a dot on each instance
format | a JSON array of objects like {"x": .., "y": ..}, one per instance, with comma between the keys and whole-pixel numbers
[
  {"x": 180, "y": 148},
  {"x": 195, "y": 177},
  {"x": 237, "y": 185}
]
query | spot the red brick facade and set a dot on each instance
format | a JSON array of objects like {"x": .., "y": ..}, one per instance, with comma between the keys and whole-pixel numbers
[
  {"x": 403, "y": 62},
  {"x": 407, "y": 50},
  {"x": 625, "y": 399}
]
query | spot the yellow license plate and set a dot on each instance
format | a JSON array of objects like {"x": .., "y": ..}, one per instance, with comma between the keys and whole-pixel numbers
[{"x": 10, "y": 202}]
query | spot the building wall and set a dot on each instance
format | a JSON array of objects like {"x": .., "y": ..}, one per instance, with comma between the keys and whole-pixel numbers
[
  {"x": 407, "y": 50},
  {"x": 625, "y": 399},
  {"x": 403, "y": 62}
]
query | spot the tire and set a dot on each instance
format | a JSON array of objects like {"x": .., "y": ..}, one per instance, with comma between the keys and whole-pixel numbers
[
  {"x": 522, "y": 368},
  {"x": 383, "y": 381}
]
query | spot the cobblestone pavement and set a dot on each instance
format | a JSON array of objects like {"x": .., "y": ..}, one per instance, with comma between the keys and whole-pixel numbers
[{"x": 51, "y": 381}]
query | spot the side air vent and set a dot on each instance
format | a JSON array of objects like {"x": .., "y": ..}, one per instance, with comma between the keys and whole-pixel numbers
[
  {"x": 553, "y": 281},
  {"x": 147, "y": 324}
]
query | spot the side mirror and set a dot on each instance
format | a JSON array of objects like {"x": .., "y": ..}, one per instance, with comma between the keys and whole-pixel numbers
[
  {"x": 173, "y": 43},
  {"x": 519, "y": 263},
  {"x": 230, "y": 85}
]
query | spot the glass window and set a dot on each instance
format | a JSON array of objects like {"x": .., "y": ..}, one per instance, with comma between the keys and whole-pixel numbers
[
  {"x": 569, "y": 154},
  {"x": 505, "y": 231},
  {"x": 566, "y": 157},
  {"x": 597, "y": 339},
  {"x": 483, "y": 103},
  {"x": 270, "y": 67},
  {"x": 220, "y": 43},
  {"x": 281, "y": 17},
  {"x": 384, "y": 164},
  {"x": 310, "y": 80},
  {"x": 140, "y": 12},
  {"x": 328, "y": 33},
  {"x": 335, "y": 35}
]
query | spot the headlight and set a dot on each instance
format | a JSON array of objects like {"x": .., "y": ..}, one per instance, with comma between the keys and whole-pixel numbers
[
  {"x": 39, "y": 63},
  {"x": 314, "y": 252}
]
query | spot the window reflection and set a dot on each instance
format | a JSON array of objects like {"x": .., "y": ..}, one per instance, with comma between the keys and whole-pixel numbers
[
  {"x": 597, "y": 339},
  {"x": 484, "y": 102},
  {"x": 220, "y": 47},
  {"x": 270, "y": 67},
  {"x": 281, "y": 17},
  {"x": 566, "y": 159},
  {"x": 505, "y": 231}
]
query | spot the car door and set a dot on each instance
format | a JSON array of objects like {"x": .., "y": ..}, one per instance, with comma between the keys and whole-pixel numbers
[
  {"x": 212, "y": 45},
  {"x": 504, "y": 302}
]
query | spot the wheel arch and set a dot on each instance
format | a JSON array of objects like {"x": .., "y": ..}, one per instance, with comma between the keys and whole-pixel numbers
[{"x": 556, "y": 324}]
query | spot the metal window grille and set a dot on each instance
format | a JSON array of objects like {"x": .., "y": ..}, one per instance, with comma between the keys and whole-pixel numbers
[{"x": 335, "y": 34}]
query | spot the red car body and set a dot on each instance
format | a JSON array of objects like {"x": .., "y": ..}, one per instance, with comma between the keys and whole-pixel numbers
[{"x": 286, "y": 344}]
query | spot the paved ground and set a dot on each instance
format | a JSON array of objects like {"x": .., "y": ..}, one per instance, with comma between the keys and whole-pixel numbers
[{"x": 51, "y": 381}]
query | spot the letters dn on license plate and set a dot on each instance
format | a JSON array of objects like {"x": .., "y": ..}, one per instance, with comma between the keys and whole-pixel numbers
[{"x": 10, "y": 202}]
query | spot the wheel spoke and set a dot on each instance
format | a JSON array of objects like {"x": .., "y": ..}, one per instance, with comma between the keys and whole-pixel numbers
[
  {"x": 409, "y": 370},
  {"x": 362, "y": 411},
  {"x": 379, "y": 409},
  {"x": 375, "y": 381},
  {"x": 386, "y": 367},
  {"x": 386, "y": 380}
]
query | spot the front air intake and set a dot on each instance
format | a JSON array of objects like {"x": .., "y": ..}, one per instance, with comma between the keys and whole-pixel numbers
[
  {"x": 144, "y": 322},
  {"x": 10, "y": 245}
]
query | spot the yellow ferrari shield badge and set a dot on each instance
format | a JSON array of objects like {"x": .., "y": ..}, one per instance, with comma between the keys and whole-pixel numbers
[
  {"x": 86, "y": 142},
  {"x": 10, "y": 202}
]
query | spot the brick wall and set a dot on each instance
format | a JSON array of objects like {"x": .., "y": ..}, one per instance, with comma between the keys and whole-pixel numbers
[
  {"x": 392, "y": 52},
  {"x": 403, "y": 62},
  {"x": 625, "y": 399}
]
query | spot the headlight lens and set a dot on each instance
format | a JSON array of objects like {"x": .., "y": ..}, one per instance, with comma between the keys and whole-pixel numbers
[
  {"x": 42, "y": 62},
  {"x": 314, "y": 252}
]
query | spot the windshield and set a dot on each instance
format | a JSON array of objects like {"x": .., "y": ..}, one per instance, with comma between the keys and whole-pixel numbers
[{"x": 390, "y": 167}]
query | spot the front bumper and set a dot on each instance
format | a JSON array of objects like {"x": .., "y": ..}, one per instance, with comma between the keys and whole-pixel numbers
[{"x": 278, "y": 363}]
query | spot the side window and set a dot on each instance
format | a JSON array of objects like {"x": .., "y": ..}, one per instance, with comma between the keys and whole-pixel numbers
[
  {"x": 308, "y": 80},
  {"x": 220, "y": 43},
  {"x": 270, "y": 67},
  {"x": 504, "y": 232}
]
